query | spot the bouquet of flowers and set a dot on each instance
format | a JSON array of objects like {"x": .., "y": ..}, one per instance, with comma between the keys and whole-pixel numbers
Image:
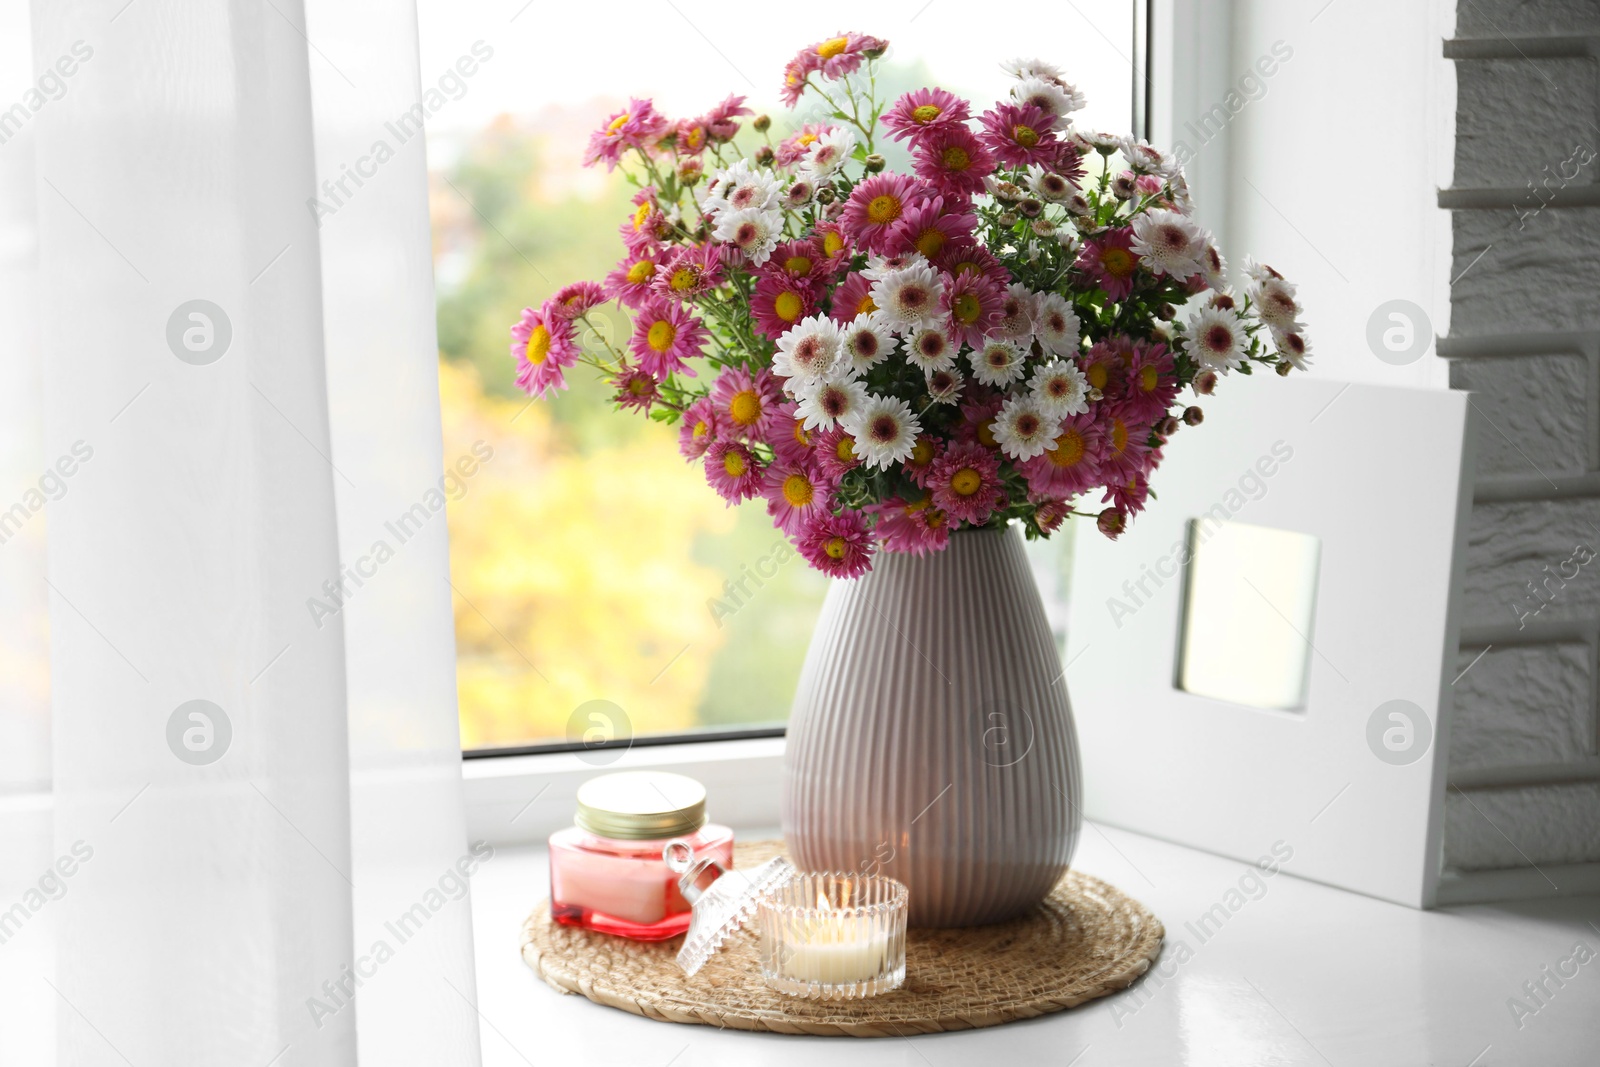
[{"x": 882, "y": 358}]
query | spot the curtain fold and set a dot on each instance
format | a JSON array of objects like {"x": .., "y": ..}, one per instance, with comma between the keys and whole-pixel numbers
[{"x": 257, "y": 853}]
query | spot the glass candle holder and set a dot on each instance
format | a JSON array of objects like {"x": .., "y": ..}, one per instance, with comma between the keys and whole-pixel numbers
[{"x": 834, "y": 936}]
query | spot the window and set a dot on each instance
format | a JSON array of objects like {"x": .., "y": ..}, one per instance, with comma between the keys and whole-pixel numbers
[{"x": 593, "y": 566}]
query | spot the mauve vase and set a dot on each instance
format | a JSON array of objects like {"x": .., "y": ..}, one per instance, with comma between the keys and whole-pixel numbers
[{"x": 931, "y": 739}]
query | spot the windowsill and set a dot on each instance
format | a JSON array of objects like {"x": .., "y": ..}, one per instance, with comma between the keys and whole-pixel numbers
[{"x": 1303, "y": 974}]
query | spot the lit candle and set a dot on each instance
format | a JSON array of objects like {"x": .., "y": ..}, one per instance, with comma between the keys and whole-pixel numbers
[{"x": 853, "y": 945}]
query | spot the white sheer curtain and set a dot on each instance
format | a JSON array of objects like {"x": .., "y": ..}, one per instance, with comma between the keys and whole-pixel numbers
[{"x": 237, "y": 408}]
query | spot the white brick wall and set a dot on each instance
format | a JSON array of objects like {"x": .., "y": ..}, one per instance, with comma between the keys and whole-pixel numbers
[{"x": 1525, "y": 339}]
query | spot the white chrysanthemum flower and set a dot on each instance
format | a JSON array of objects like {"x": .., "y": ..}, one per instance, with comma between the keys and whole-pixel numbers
[
  {"x": 944, "y": 386},
  {"x": 930, "y": 349},
  {"x": 1023, "y": 429},
  {"x": 753, "y": 231},
  {"x": 799, "y": 193},
  {"x": 1047, "y": 185},
  {"x": 740, "y": 187},
  {"x": 909, "y": 298},
  {"x": 826, "y": 403},
  {"x": 1171, "y": 243},
  {"x": 1060, "y": 388},
  {"x": 1056, "y": 324},
  {"x": 998, "y": 363},
  {"x": 1145, "y": 158},
  {"x": 1031, "y": 68},
  {"x": 1016, "y": 314},
  {"x": 1105, "y": 142},
  {"x": 828, "y": 153},
  {"x": 1259, "y": 272},
  {"x": 879, "y": 267},
  {"x": 1052, "y": 97},
  {"x": 809, "y": 351},
  {"x": 1274, "y": 301},
  {"x": 1292, "y": 348},
  {"x": 885, "y": 431},
  {"x": 1216, "y": 339},
  {"x": 866, "y": 340},
  {"x": 1212, "y": 266}
]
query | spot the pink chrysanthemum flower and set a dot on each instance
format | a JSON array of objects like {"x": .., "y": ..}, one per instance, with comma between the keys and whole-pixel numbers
[
  {"x": 664, "y": 335},
  {"x": 720, "y": 122},
  {"x": 1073, "y": 466},
  {"x": 629, "y": 283},
  {"x": 919, "y": 465},
  {"x": 779, "y": 302},
  {"x": 836, "y": 452},
  {"x": 836, "y": 248},
  {"x": 974, "y": 305},
  {"x": 544, "y": 348},
  {"x": 689, "y": 137},
  {"x": 852, "y": 298},
  {"x": 801, "y": 261},
  {"x": 796, "y": 494},
  {"x": 795, "y": 73},
  {"x": 837, "y": 545},
  {"x": 911, "y": 526},
  {"x": 698, "y": 429},
  {"x": 1105, "y": 367},
  {"x": 931, "y": 226},
  {"x": 639, "y": 125},
  {"x": 977, "y": 418},
  {"x": 1128, "y": 496},
  {"x": 875, "y": 206},
  {"x": 965, "y": 483},
  {"x": 953, "y": 160},
  {"x": 688, "y": 270},
  {"x": 1020, "y": 134},
  {"x": 648, "y": 226},
  {"x": 843, "y": 53},
  {"x": 575, "y": 300},
  {"x": 1127, "y": 445},
  {"x": 746, "y": 405},
  {"x": 924, "y": 109},
  {"x": 1110, "y": 262},
  {"x": 1050, "y": 514},
  {"x": 636, "y": 390},
  {"x": 1152, "y": 383},
  {"x": 733, "y": 471},
  {"x": 790, "y": 440},
  {"x": 792, "y": 150},
  {"x": 968, "y": 256}
]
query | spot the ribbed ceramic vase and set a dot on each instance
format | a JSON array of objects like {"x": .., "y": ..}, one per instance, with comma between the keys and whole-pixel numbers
[{"x": 931, "y": 739}]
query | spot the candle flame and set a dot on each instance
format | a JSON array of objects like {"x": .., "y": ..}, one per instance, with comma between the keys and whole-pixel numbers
[{"x": 822, "y": 901}]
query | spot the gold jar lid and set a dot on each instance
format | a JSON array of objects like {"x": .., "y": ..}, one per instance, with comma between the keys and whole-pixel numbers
[{"x": 641, "y": 805}]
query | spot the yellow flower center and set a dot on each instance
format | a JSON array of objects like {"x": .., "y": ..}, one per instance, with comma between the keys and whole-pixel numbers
[
  {"x": 641, "y": 272},
  {"x": 966, "y": 481},
  {"x": 967, "y": 308},
  {"x": 639, "y": 387},
  {"x": 926, "y": 114},
  {"x": 538, "y": 345},
  {"x": 835, "y": 548},
  {"x": 922, "y": 453},
  {"x": 986, "y": 434},
  {"x": 884, "y": 209},
  {"x": 788, "y": 306},
  {"x": 618, "y": 122},
  {"x": 914, "y": 506},
  {"x": 695, "y": 138},
  {"x": 801, "y": 435},
  {"x": 1149, "y": 378},
  {"x": 798, "y": 264},
  {"x": 733, "y": 463},
  {"x": 867, "y": 305},
  {"x": 1118, "y": 262},
  {"x": 683, "y": 278},
  {"x": 845, "y": 449},
  {"x": 1026, "y": 136},
  {"x": 929, "y": 241},
  {"x": 1068, "y": 451},
  {"x": 955, "y": 158},
  {"x": 832, "y": 47},
  {"x": 1097, "y": 375},
  {"x": 745, "y": 407},
  {"x": 966, "y": 267},
  {"x": 797, "y": 490},
  {"x": 832, "y": 243},
  {"x": 1119, "y": 436},
  {"x": 700, "y": 428},
  {"x": 662, "y": 334},
  {"x": 640, "y": 215},
  {"x": 805, "y": 140}
]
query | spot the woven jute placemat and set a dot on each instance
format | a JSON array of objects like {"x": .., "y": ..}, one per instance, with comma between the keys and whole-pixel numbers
[{"x": 1086, "y": 940}]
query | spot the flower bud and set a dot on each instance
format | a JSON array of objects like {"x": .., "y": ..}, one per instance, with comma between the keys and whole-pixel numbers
[
  {"x": 1193, "y": 416},
  {"x": 1167, "y": 426},
  {"x": 1112, "y": 522},
  {"x": 1166, "y": 312},
  {"x": 825, "y": 195},
  {"x": 1008, "y": 218},
  {"x": 1030, "y": 208},
  {"x": 1284, "y": 368},
  {"x": 1205, "y": 382},
  {"x": 765, "y": 155},
  {"x": 1043, "y": 227},
  {"x": 762, "y": 123},
  {"x": 874, "y": 163}
]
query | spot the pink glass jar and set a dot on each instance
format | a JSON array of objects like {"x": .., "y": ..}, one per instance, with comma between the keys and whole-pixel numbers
[{"x": 606, "y": 871}]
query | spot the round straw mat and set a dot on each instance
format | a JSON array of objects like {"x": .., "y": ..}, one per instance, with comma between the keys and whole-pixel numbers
[{"x": 1086, "y": 940}]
